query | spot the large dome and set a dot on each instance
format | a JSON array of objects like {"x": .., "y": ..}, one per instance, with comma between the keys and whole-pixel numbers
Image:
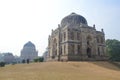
[
  {"x": 72, "y": 20},
  {"x": 29, "y": 44}
]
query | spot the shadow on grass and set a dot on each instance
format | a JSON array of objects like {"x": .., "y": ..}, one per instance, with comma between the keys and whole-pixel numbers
[
  {"x": 108, "y": 64},
  {"x": 117, "y": 64}
]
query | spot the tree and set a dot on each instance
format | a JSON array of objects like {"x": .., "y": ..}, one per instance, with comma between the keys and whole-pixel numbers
[
  {"x": 2, "y": 64},
  {"x": 41, "y": 59},
  {"x": 113, "y": 49},
  {"x": 23, "y": 61}
]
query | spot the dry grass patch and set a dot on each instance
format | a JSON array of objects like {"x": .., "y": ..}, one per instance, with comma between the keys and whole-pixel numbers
[{"x": 61, "y": 71}]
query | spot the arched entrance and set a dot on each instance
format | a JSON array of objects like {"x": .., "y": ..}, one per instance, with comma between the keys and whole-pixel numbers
[
  {"x": 89, "y": 47},
  {"x": 89, "y": 52}
]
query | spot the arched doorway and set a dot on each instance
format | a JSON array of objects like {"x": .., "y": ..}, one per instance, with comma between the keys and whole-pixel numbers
[
  {"x": 89, "y": 46},
  {"x": 89, "y": 52}
]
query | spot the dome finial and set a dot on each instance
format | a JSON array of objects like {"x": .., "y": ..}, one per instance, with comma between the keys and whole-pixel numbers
[{"x": 73, "y": 13}]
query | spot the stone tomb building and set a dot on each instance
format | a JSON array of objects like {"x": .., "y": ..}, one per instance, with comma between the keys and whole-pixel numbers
[
  {"x": 29, "y": 51},
  {"x": 74, "y": 40}
]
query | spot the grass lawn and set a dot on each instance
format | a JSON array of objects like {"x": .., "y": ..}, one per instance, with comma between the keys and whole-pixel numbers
[{"x": 61, "y": 71}]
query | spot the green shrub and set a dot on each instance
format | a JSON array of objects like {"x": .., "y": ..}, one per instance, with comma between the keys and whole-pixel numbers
[
  {"x": 23, "y": 61},
  {"x": 39, "y": 59},
  {"x": 2, "y": 64},
  {"x": 36, "y": 60}
]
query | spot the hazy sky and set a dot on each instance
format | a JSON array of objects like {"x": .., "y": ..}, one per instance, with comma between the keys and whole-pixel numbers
[{"x": 32, "y": 20}]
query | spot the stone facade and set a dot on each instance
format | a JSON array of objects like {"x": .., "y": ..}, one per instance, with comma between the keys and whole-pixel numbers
[
  {"x": 29, "y": 52},
  {"x": 8, "y": 58},
  {"x": 74, "y": 40}
]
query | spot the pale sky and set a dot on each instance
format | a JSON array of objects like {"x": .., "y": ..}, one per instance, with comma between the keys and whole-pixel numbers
[{"x": 32, "y": 20}]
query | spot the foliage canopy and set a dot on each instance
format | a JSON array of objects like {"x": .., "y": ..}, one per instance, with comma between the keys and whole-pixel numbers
[{"x": 113, "y": 49}]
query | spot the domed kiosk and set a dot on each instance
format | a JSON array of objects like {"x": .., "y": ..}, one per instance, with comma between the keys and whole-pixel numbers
[
  {"x": 29, "y": 51},
  {"x": 74, "y": 40}
]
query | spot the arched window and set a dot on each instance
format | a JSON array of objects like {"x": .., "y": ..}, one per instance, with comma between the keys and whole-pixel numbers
[
  {"x": 88, "y": 40},
  {"x": 98, "y": 40},
  {"x": 72, "y": 36},
  {"x": 103, "y": 51},
  {"x": 60, "y": 50},
  {"x": 78, "y": 36},
  {"x": 64, "y": 49},
  {"x": 78, "y": 49},
  {"x": 64, "y": 36},
  {"x": 72, "y": 48},
  {"x": 98, "y": 51},
  {"x": 54, "y": 47},
  {"x": 55, "y": 43}
]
